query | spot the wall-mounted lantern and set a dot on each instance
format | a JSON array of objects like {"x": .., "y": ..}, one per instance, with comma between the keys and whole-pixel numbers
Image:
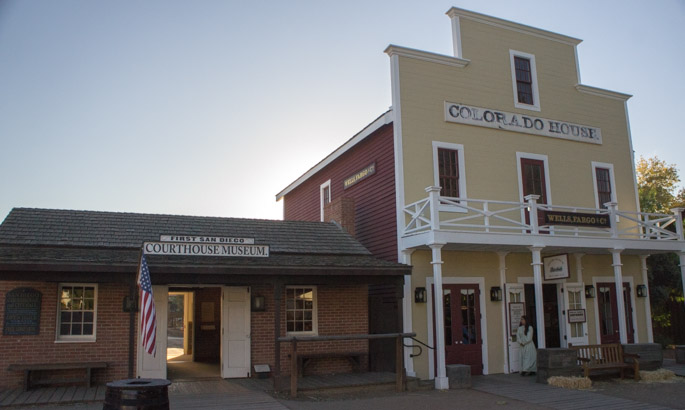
[
  {"x": 589, "y": 291},
  {"x": 420, "y": 295},
  {"x": 258, "y": 304},
  {"x": 641, "y": 291},
  {"x": 496, "y": 294}
]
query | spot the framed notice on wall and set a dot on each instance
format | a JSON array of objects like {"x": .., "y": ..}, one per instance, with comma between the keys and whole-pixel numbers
[
  {"x": 556, "y": 267},
  {"x": 576, "y": 316},
  {"x": 516, "y": 310}
]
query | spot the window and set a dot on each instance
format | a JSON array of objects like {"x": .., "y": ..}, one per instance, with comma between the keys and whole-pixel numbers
[
  {"x": 603, "y": 178},
  {"x": 448, "y": 170},
  {"x": 325, "y": 195},
  {"x": 524, "y": 79},
  {"x": 77, "y": 312},
  {"x": 300, "y": 309}
]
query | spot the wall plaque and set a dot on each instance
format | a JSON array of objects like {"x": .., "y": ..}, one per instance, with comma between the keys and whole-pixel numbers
[
  {"x": 576, "y": 316},
  {"x": 556, "y": 267},
  {"x": 22, "y": 312},
  {"x": 516, "y": 310},
  {"x": 576, "y": 219},
  {"x": 359, "y": 176}
]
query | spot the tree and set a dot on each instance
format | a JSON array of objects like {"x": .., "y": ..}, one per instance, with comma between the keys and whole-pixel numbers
[{"x": 658, "y": 191}]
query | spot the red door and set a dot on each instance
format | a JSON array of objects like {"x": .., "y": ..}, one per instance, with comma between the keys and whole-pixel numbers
[
  {"x": 463, "y": 342},
  {"x": 608, "y": 313},
  {"x": 534, "y": 183}
]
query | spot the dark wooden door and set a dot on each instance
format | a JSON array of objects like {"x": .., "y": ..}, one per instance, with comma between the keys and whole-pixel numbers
[
  {"x": 608, "y": 313},
  {"x": 463, "y": 341},
  {"x": 534, "y": 183},
  {"x": 207, "y": 325}
]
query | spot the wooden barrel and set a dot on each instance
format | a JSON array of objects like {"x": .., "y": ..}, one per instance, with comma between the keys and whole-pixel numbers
[{"x": 138, "y": 394}]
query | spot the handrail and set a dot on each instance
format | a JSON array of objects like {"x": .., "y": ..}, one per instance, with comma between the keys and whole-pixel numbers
[{"x": 472, "y": 215}]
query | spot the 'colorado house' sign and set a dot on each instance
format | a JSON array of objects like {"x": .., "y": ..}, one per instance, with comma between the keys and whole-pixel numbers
[{"x": 486, "y": 117}]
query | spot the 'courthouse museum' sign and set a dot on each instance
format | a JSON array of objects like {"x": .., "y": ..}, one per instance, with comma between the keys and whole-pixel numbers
[
  {"x": 485, "y": 117},
  {"x": 22, "y": 312},
  {"x": 205, "y": 249}
]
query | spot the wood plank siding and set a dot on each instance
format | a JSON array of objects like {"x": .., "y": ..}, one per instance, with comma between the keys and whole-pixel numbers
[{"x": 374, "y": 197}]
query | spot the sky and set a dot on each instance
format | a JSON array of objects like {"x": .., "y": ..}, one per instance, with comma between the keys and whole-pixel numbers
[{"x": 213, "y": 107}]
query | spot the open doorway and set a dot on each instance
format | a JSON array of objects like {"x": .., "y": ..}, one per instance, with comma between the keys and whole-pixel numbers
[
  {"x": 194, "y": 333},
  {"x": 551, "y": 310}
]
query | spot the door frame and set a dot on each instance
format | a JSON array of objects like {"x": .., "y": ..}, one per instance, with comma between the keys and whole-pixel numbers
[
  {"x": 519, "y": 171},
  {"x": 611, "y": 279},
  {"x": 560, "y": 303},
  {"x": 580, "y": 286},
  {"x": 510, "y": 343},
  {"x": 480, "y": 281},
  {"x": 160, "y": 294}
]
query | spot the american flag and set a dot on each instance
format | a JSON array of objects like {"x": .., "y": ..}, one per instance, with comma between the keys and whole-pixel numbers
[{"x": 148, "y": 322}]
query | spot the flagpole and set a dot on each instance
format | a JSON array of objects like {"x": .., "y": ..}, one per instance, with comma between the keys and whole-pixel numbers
[{"x": 132, "y": 333}]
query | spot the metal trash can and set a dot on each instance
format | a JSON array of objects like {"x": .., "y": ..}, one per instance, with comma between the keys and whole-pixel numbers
[{"x": 138, "y": 394}]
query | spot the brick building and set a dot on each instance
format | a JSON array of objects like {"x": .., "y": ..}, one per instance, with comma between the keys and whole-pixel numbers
[{"x": 81, "y": 269}]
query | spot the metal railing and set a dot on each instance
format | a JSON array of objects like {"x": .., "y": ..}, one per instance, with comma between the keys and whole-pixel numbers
[{"x": 504, "y": 217}]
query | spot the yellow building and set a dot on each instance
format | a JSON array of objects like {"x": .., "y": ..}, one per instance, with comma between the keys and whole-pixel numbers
[{"x": 515, "y": 193}]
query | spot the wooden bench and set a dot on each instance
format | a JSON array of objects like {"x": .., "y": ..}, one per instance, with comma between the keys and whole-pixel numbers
[
  {"x": 28, "y": 368},
  {"x": 355, "y": 358},
  {"x": 596, "y": 358}
]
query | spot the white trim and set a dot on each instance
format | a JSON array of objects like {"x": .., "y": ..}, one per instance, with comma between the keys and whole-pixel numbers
[
  {"x": 534, "y": 76},
  {"x": 539, "y": 157},
  {"x": 610, "y": 167},
  {"x": 397, "y": 151},
  {"x": 407, "y": 312},
  {"x": 601, "y": 92},
  {"x": 480, "y": 281},
  {"x": 456, "y": 37},
  {"x": 323, "y": 186},
  {"x": 632, "y": 158},
  {"x": 393, "y": 50},
  {"x": 79, "y": 338},
  {"x": 648, "y": 300},
  {"x": 385, "y": 118},
  {"x": 611, "y": 279},
  {"x": 575, "y": 53},
  {"x": 510, "y": 25},
  {"x": 315, "y": 309},
  {"x": 462, "y": 172}
]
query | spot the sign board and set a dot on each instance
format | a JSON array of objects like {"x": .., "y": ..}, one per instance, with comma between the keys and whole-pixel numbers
[
  {"x": 486, "y": 117},
  {"x": 205, "y": 249},
  {"x": 576, "y": 316},
  {"x": 576, "y": 219},
  {"x": 22, "y": 312},
  {"x": 516, "y": 310},
  {"x": 556, "y": 267},
  {"x": 205, "y": 239},
  {"x": 359, "y": 176}
]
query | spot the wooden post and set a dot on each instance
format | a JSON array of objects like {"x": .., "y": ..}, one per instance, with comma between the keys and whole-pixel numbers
[
  {"x": 278, "y": 294},
  {"x": 399, "y": 365},
  {"x": 293, "y": 369}
]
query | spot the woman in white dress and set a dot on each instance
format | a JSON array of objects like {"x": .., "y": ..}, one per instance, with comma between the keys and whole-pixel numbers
[{"x": 524, "y": 336}]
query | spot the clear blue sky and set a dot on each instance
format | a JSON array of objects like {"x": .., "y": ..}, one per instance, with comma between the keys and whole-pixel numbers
[{"x": 212, "y": 107}]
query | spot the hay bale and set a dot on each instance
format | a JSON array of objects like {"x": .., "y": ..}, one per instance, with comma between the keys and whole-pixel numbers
[
  {"x": 570, "y": 382},
  {"x": 656, "y": 375}
]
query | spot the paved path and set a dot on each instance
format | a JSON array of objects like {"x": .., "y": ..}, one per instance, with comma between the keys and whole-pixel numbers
[
  {"x": 677, "y": 368},
  {"x": 526, "y": 389}
]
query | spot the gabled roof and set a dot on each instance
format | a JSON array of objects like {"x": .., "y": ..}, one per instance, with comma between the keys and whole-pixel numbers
[
  {"x": 383, "y": 119},
  {"x": 53, "y": 227}
]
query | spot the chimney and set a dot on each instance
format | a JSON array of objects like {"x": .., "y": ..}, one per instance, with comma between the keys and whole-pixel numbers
[{"x": 341, "y": 211}]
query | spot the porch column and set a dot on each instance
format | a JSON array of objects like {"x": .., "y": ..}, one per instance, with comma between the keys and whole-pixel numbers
[
  {"x": 682, "y": 268},
  {"x": 539, "y": 311},
  {"x": 441, "y": 381},
  {"x": 620, "y": 303},
  {"x": 502, "y": 283},
  {"x": 579, "y": 266},
  {"x": 407, "y": 312},
  {"x": 648, "y": 307}
]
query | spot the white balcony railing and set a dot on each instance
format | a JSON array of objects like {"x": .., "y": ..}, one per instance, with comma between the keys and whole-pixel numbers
[{"x": 503, "y": 217}]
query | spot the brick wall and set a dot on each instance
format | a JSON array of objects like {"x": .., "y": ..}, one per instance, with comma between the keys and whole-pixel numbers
[
  {"x": 342, "y": 309},
  {"x": 112, "y": 335}
]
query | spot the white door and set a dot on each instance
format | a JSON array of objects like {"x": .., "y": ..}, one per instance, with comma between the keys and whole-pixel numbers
[
  {"x": 149, "y": 366},
  {"x": 515, "y": 294},
  {"x": 574, "y": 300},
  {"x": 235, "y": 332}
]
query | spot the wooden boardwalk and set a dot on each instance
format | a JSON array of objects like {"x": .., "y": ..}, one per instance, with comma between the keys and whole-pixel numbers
[
  {"x": 52, "y": 395},
  {"x": 525, "y": 389}
]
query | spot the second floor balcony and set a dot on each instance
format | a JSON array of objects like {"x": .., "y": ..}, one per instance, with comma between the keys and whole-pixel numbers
[{"x": 476, "y": 224}]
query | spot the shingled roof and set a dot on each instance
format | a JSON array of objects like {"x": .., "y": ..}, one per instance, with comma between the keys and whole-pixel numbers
[
  {"x": 51, "y": 227},
  {"x": 111, "y": 241}
]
